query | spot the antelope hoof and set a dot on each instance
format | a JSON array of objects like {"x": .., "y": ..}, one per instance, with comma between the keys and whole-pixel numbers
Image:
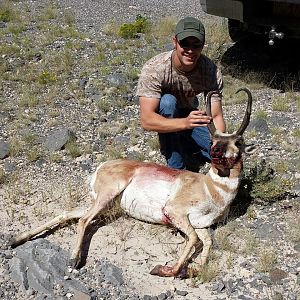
[{"x": 164, "y": 271}]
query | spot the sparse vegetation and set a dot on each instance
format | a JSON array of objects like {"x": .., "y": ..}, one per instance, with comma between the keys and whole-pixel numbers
[
  {"x": 281, "y": 167},
  {"x": 164, "y": 28},
  {"x": 298, "y": 105},
  {"x": 2, "y": 175},
  {"x": 7, "y": 13},
  {"x": 270, "y": 190},
  {"x": 104, "y": 104},
  {"x": 113, "y": 152},
  {"x": 281, "y": 104},
  {"x": 33, "y": 154},
  {"x": 217, "y": 39},
  {"x": 251, "y": 214},
  {"x": 231, "y": 85},
  {"x": 261, "y": 114},
  {"x": 73, "y": 149},
  {"x": 265, "y": 185},
  {"x": 208, "y": 272},
  {"x": 130, "y": 30},
  {"x": 251, "y": 246},
  {"x": 223, "y": 240},
  {"x": 28, "y": 99},
  {"x": 154, "y": 143},
  {"x": 267, "y": 260},
  {"x": 296, "y": 133},
  {"x": 55, "y": 157},
  {"x": 15, "y": 147}
]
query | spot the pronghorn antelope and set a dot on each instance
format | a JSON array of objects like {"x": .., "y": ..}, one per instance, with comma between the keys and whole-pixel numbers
[{"x": 188, "y": 201}]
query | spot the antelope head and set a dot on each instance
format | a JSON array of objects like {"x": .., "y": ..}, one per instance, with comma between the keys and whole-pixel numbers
[{"x": 227, "y": 148}]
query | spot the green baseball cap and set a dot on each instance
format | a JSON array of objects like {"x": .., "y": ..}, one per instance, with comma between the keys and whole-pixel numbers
[{"x": 190, "y": 26}]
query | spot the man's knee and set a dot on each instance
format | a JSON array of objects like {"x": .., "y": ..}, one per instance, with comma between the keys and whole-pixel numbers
[{"x": 168, "y": 106}]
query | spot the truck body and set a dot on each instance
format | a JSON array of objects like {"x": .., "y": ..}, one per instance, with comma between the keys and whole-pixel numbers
[{"x": 273, "y": 18}]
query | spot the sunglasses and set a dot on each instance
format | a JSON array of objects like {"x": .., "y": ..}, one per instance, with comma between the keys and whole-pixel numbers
[{"x": 187, "y": 45}]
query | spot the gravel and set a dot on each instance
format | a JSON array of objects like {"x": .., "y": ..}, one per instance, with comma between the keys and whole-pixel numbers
[{"x": 92, "y": 15}]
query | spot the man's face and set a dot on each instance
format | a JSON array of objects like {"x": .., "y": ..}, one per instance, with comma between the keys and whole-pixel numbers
[{"x": 188, "y": 51}]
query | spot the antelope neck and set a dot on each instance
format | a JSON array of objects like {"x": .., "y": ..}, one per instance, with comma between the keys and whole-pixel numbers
[{"x": 233, "y": 172}]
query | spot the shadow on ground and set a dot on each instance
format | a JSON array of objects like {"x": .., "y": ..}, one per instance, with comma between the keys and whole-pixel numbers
[{"x": 277, "y": 66}]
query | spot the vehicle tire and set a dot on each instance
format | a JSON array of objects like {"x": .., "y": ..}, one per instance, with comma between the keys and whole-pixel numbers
[{"x": 236, "y": 30}]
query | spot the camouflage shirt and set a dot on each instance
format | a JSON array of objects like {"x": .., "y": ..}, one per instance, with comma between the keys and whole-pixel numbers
[{"x": 159, "y": 77}]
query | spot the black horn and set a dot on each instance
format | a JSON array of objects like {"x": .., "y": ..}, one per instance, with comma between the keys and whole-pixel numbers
[
  {"x": 211, "y": 127},
  {"x": 247, "y": 115}
]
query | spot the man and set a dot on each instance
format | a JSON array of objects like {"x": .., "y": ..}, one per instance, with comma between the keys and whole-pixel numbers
[{"x": 167, "y": 91}]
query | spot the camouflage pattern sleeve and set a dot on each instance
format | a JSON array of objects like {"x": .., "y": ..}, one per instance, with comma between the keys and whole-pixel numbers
[{"x": 152, "y": 78}]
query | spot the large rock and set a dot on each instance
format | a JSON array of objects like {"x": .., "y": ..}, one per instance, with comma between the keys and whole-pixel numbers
[
  {"x": 116, "y": 79},
  {"x": 110, "y": 273},
  {"x": 58, "y": 139},
  {"x": 40, "y": 266},
  {"x": 4, "y": 149},
  {"x": 259, "y": 125}
]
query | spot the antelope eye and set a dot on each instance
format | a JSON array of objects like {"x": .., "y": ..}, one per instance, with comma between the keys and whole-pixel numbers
[{"x": 238, "y": 143}]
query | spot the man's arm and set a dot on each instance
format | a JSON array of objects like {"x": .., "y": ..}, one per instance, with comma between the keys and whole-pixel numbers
[{"x": 151, "y": 120}]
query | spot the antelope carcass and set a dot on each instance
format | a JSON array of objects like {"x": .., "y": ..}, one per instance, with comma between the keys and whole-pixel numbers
[{"x": 188, "y": 201}]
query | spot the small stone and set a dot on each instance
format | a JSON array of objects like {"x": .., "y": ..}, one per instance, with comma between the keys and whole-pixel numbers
[
  {"x": 292, "y": 296},
  {"x": 221, "y": 286},
  {"x": 81, "y": 296},
  {"x": 162, "y": 296},
  {"x": 266, "y": 280},
  {"x": 242, "y": 297},
  {"x": 75, "y": 271},
  {"x": 4, "y": 149},
  {"x": 229, "y": 286},
  {"x": 181, "y": 293},
  {"x": 277, "y": 275},
  {"x": 297, "y": 247},
  {"x": 29, "y": 292}
]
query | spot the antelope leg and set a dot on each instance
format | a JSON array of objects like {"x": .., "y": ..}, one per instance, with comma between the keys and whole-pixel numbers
[
  {"x": 182, "y": 223},
  {"x": 100, "y": 203},
  {"x": 62, "y": 218},
  {"x": 205, "y": 237}
]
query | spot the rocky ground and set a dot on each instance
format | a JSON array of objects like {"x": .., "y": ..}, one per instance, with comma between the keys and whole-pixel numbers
[{"x": 47, "y": 102}]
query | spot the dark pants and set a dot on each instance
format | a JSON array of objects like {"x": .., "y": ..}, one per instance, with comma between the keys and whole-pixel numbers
[{"x": 186, "y": 149}]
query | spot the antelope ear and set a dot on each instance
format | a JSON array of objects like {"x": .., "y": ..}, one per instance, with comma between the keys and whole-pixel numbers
[{"x": 250, "y": 149}]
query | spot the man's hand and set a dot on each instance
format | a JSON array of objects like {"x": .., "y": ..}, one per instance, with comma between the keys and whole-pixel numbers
[
  {"x": 197, "y": 118},
  {"x": 152, "y": 121}
]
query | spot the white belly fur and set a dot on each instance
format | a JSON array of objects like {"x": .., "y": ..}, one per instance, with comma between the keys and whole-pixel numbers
[{"x": 146, "y": 201}]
